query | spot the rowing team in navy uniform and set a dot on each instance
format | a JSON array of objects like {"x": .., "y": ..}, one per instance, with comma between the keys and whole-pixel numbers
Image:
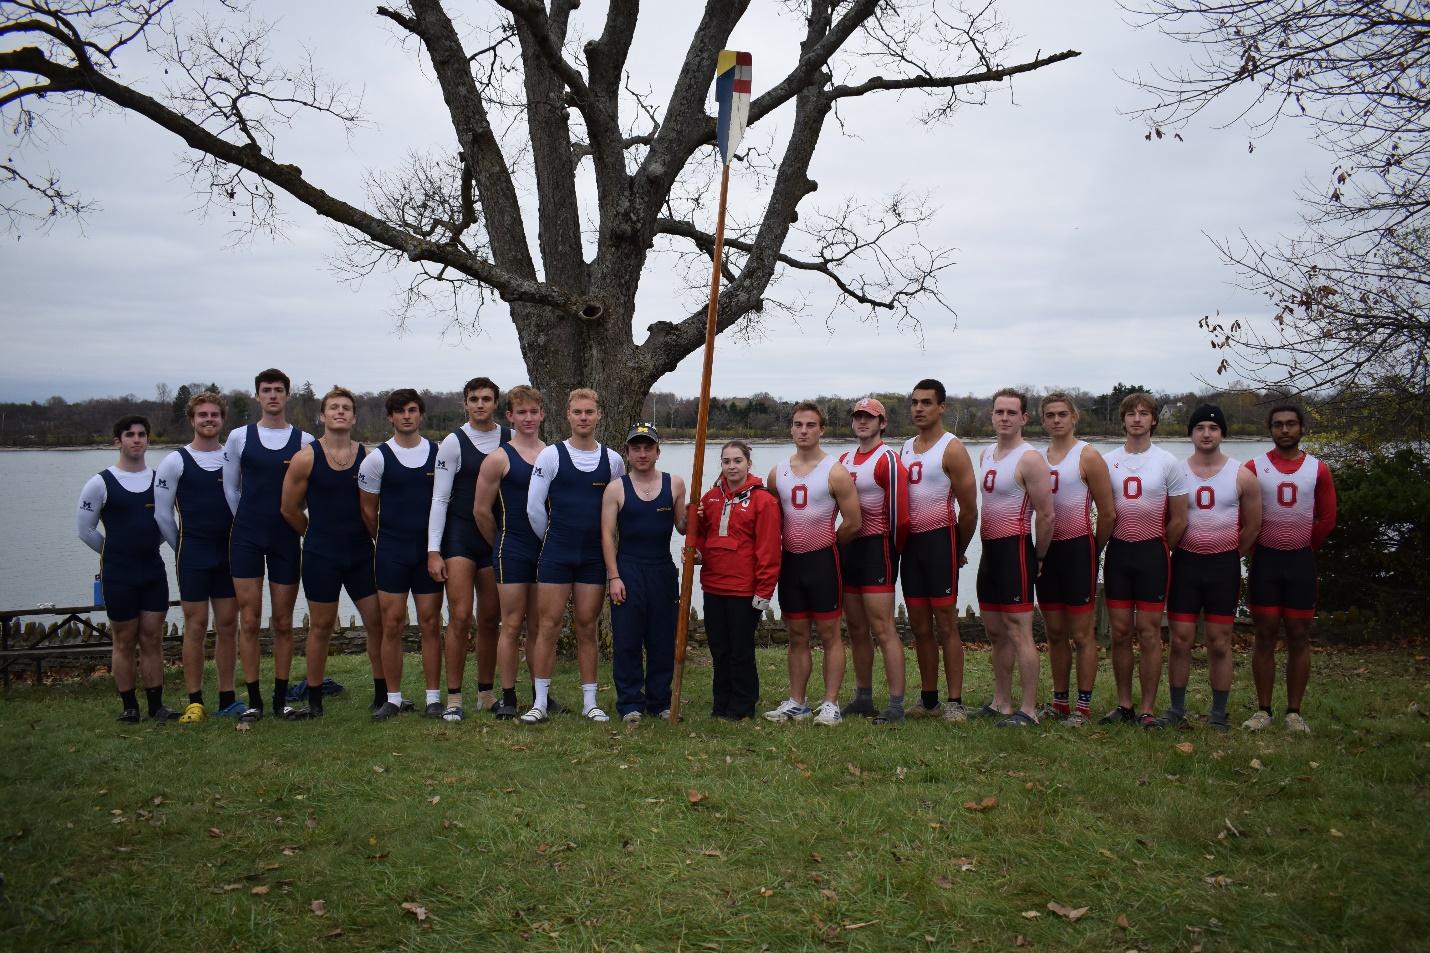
[{"x": 516, "y": 533}]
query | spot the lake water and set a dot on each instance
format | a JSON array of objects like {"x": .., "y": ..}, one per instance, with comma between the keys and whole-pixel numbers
[{"x": 43, "y": 561}]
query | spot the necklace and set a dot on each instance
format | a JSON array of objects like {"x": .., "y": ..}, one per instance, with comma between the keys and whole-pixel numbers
[{"x": 339, "y": 463}]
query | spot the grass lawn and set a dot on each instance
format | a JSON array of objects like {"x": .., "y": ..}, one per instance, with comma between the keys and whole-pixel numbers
[{"x": 417, "y": 835}]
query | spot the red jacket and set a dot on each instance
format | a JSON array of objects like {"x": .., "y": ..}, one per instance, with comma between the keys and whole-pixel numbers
[{"x": 739, "y": 540}]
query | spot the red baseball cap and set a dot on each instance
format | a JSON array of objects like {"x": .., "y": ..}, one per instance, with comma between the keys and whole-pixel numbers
[{"x": 870, "y": 406}]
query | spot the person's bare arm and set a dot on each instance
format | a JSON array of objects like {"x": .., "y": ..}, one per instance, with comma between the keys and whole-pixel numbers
[
  {"x": 841, "y": 487},
  {"x": 369, "y": 503},
  {"x": 1250, "y": 495},
  {"x": 959, "y": 467},
  {"x": 677, "y": 494},
  {"x": 612, "y": 499},
  {"x": 294, "y": 504},
  {"x": 489, "y": 478},
  {"x": 1099, "y": 483},
  {"x": 1033, "y": 474},
  {"x": 1176, "y": 520}
]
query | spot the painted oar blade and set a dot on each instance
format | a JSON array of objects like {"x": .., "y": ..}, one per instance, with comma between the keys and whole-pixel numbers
[{"x": 732, "y": 93}]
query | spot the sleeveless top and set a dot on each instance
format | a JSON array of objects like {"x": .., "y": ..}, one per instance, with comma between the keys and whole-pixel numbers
[
  {"x": 406, "y": 497},
  {"x": 131, "y": 535},
  {"x": 1005, "y": 506},
  {"x": 513, "y": 527},
  {"x": 464, "y": 483},
  {"x": 574, "y": 499},
  {"x": 204, "y": 516},
  {"x": 1072, "y": 503},
  {"x": 1142, "y": 483},
  {"x": 930, "y": 489},
  {"x": 876, "y": 503},
  {"x": 807, "y": 506},
  {"x": 1288, "y": 503},
  {"x": 335, "y": 526},
  {"x": 262, "y": 492},
  {"x": 1213, "y": 511},
  {"x": 646, "y": 525}
]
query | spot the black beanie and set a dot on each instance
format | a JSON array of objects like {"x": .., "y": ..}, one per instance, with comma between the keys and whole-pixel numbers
[{"x": 1207, "y": 412}]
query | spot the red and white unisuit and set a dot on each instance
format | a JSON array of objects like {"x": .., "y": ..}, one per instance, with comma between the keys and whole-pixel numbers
[
  {"x": 1072, "y": 503},
  {"x": 880, "y": 481},
  {"x": 1142, "y": 483},
  {"x": 807, "y": 506},
  {"x": 1298, "y": 503},
  {"x": 1006, "y": 510},
  {"x": 1213, "y": 511},
  {"x": 930, "y": 489}
]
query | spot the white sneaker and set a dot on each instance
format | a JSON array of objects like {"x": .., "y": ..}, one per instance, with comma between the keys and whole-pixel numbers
[
  {"x": 1296, "y": 724},
  {"x": 789, "y": 710},
  {"x": 595, "y": 714},
  {"x": 828, "y": 714},
  {"x": 953, "y": 711},
  {"x": 664, "y": 714},
  {"x": 631, "y": 718},
  {"x": 1258, "y": 721}
]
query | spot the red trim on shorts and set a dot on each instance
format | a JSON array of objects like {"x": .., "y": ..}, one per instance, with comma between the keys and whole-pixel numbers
[
  {"x": 1052, "y": 607},
  {"x": 1185, "y": 617},
  {"x": 870, "y": 590},
  {"x": 1024, "y": 588},
  {"x": 1221, "y": 619},
  {"x": 1083, "y": 609},
  {"x": 1151, "y": 606},
  {"x": 832, "y": 614},
  {"x": 1092, "y": 568},
  {"x": 1269, "y": 612},
  {"x": 1298, "y": 613},
  {"x": 1015, "y": 609},
  {"x": 798, "y": 615},
  {"x": 941, "y": 602},
  {"x": 1120, "y": 603},
  {"x": 918, "y": 601}
]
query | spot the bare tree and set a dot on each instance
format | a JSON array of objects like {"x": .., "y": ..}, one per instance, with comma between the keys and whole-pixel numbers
[
  {"x": 1350, "y": 316},
  {"x": 529, "y": 103}
]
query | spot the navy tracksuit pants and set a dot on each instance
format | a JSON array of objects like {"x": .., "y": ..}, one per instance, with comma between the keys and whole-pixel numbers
[{"x": 645, "y": 625}]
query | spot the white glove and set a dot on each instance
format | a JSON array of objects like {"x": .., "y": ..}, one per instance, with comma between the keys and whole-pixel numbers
[{"x": 760, "y": 604}]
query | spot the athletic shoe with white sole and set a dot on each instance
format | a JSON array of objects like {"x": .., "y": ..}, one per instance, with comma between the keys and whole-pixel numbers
[
  {"x": 919, "y": 712},
  {"x": 454, "y": 713},
  {"x": 789, "y": 710},
  {"x": 194, "y": 713},
  {"x": 631, "y": 718},
  {"x": 1295, "y": 724},
  {"x": 828, "y": 714},
  {"x": 1258, "y": 721},
  {"x": 1076, "y": 720},
  {"x": 953, "y": 711}
]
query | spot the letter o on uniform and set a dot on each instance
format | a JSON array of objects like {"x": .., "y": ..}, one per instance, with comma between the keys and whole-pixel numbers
[
  {"x": 1206, "y": 497},
  {"x": 1131, "y": 487},
  {"x": 1054, "y": 475},
  {"x": 1286, "y": 494},
  {"x": 990, "y": 479},
  {"x": 799, "y": 496},
  {"x": 916, "y": 472}
]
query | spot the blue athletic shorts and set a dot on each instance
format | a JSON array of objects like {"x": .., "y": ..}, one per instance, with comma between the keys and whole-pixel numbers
[
  {"x": 125, "y": 598},
  {"x": 461, "y": 538},
  {"x": 324, "y": 577},
  {"x": 247, "y": 555},
  {"x": 566, "y": 564},
  {"x": 401, "y": 567},
  {"x": 515, "y": 563},
  {"x": 201, "y": 585}
]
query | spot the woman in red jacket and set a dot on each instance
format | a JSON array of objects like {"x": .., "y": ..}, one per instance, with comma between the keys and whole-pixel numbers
[{"x": 738, "y": 537}]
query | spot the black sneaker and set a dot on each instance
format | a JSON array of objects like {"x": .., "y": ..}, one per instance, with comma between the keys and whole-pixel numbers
[
  {"x": 890, "y": 716},
  {"x": 434, "y": 710},
  {"x": 376, "y": 704},
  {"x": 860, "y": 706},
  {"x": 554, "y": 707},
  {"x": 302, "y": 714},
  {"x": 1171, "y": 718},
  {"x": 163, "y": 713},
  {"x": 130, "y": 716},
  {"x": 408, "y": 706},
  {"x": 504, "y": 712},
  {"x": 1118, "y": 716},
  {"x": 1219, "y": 725},
  {"x": 388, "y": 710}
]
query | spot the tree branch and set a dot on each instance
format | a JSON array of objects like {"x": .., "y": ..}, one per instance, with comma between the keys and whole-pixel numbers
[{"x": 949, "y": 82}]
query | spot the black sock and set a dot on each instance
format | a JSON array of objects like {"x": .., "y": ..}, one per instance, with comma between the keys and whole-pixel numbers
[
  {"x": 196, "y": 698},
  {"x": 454, "y": 691},
  {"x": 255, "y": 696},
  {"x": 280, "y": 694},
  {"x": 1179, "y": 697},
  {"x": 379, "y": 691},
  {"x": 958, "y": 700},
  {"x": 1219, "y": 700},
  {"x": 484, "y": 686},
  {"x": 1293, "y": 711},
  {"x": 929, "y": 699},
  {"x": 508, "y": 696},
  {"x": 130, "y": 700},
  {"x": 863, "y": 694},
  {"x": 226, "y": 698},
  {"x": 1267, "y": 709},
  {"x": 315, "y": 697},
  {"x": 155, "y": 699}
]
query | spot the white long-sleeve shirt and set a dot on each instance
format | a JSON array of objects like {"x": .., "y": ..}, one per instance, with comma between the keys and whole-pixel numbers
[
  {"x": 449, "y": 464},
  {"x": 273, "y": 438},
  {"x": 370, "y": 473},
  {"x": 544, "y": 471},
  {"x": 94, "y": 495},
  {"x": 166, "y": 487}
]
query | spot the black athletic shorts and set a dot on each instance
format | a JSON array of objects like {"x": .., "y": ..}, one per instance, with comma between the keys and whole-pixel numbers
[
  {"x": 1134, "y": 575},
  {"x": 201, "y": 585},
  {"x": 324, "y": 576},
  {"x": 247, "y": 555},
  {"x": 1068, "y": 582},
  {"x": 929, "y": 568},
  {"x": 810, "y": 584},
  {"x": 128, "y": 595},
  {"x": 1005, "y": 574},
  {"x": 462, "y": 538},
  {"x": 1201, "y": 582},
  {"x": 869, "y": 564},
  {"x": 1282, "y": 582}
]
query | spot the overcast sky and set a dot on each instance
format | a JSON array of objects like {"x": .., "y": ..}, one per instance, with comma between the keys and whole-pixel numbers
[{"x": 1082, "y": 255}]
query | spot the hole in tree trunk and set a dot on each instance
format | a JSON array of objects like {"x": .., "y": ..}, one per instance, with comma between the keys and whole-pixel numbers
[{"x": 592, "y": 311}]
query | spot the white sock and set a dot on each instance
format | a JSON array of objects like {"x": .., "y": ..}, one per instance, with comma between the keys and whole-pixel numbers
[
  {"x": 434, "y": 695},
  {"x": 543, "y": 689},
  {"x": 588, "y": 696},
  {"x": 394, "y": 698}
]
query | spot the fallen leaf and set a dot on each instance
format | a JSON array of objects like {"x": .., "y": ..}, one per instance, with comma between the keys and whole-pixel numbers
[
  {"x": 1336, "y": 833},
  {"x": 260, "y": 890},
  {"x": 311, "y": 823},
  {"x": 694, "y": 796},
  {"x": 854, "y": 769},
  {"x": 1067, "y": 913},
  {"x": 215, "y": 832},
  {"x": 1185, "y": 747},
  {"x": 1020, "y": 940},
  {"x": 1031, "y": 914},
  {"x": 943, "y": 883},
  {"x": 860, "y": 926},
  {"x": 766, "y": 892},
  {"x": 319, "y": 908},
  {"x": 290, "y": 851},
  {"x": 434, "y": 799},
  {"x": 901, "y": 773},
  {"x": 1256, "y": 764},
  {"x": 243, "y": 726},
  {"x": 711, "y": 852},
  {"x": 372, "y": 841},
  {"x": 1122, "y": 921},
  {"x": 1218, "y": 880},
  {"x": 230, "y": 888},
  {"x": 333, "y": 934},
  {"x": 158, "y": 799},
  {"x": 828, "y": 894},
  {"x": 988, "y": 803},
  {"x": 417, "y": 910},
  {"x": 378, "y": 769},
  {"x": 1107, "y": 853}
]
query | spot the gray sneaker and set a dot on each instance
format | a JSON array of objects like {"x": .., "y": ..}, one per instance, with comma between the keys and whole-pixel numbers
[
  {"x": 890, "y": 716},
  {"x": 789, "y": 710},
  {"x": 860, "y": 706}
]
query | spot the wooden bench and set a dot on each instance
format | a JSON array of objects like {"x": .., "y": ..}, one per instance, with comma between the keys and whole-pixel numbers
[{"x": 41, "y": 649}]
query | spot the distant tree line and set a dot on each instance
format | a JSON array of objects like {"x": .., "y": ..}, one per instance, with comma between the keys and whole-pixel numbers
[{"x": 60, "y": 423}]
